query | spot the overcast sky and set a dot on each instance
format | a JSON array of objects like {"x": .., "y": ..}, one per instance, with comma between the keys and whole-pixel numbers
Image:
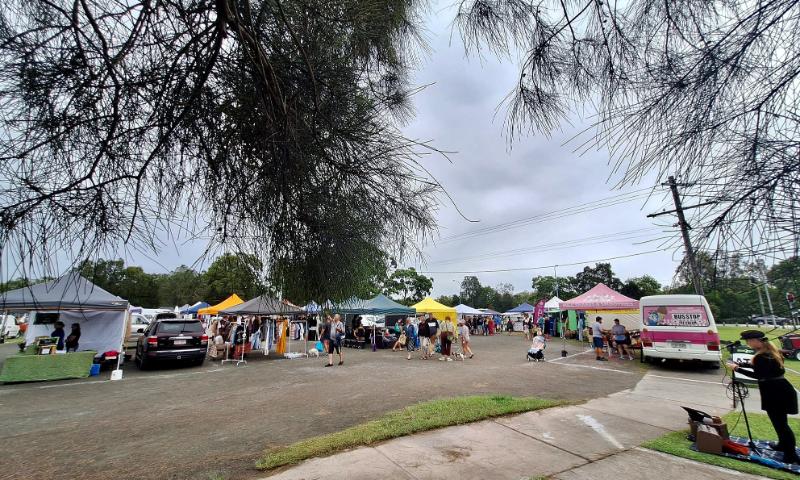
[{"x": 494, "y": 182}]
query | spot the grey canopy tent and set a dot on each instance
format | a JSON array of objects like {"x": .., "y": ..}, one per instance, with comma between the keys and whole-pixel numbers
[
  {"x": 263, "y": 305},
  {"x": 378, "y": 305},
  {"x": 266, "y": 306},
  {"x": 71, "y": 298}
]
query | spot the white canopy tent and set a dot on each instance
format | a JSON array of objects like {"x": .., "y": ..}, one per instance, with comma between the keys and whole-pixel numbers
[
  {"x": 552, "y": 305},
  {"x": 462, "y": 309},
  {"x": 71, "y": 298}
]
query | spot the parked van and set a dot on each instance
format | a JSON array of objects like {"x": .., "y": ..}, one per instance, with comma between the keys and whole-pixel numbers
[{"x": 679, "y": 327}]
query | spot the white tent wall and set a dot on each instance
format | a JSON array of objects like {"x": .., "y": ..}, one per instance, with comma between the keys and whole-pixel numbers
[
  {"x": 101, "y": 330},
  {"x": 629, "y": 318}
]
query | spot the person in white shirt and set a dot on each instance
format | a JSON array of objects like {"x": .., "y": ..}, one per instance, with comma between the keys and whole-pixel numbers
[
  {"x": 463, "y": 332},
  {"x": 597, "y": 339}
]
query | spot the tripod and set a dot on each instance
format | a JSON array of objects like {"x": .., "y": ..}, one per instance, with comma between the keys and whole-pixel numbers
[{"x": 741, "y": 391}]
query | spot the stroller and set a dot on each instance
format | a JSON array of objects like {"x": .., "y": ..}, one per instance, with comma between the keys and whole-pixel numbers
[{"x": 536, "y": 352}]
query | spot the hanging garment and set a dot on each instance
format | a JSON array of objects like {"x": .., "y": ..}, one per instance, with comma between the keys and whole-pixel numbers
[{"x": 283, "y": 326}]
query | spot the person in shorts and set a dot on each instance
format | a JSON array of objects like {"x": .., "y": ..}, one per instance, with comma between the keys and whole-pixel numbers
[
  {"x": 463, "y": 332},
  {"x": 433, "y": 331},
  {"x": 620, "y": 337},
  {"x": 424, "y": 337},
  {"x": 335, "y": 344},
  {"x": 597, "y": 339}
]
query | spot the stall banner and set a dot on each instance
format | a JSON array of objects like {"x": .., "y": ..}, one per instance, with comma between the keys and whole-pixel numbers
[
  {"x": 538, "y": 310},
  {"x": 675, "y": 316}
]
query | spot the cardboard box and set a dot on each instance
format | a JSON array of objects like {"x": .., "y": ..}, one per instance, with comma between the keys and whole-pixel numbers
[
  {"x": 709, "y": 440},
  {"x": 721, "y": 428}
]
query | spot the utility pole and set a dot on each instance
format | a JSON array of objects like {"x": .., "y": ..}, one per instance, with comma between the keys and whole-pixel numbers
[
  {"x": 761, "y": 301},
  {"x": 687, "y": 243},
  {"x": 769, "y": 302}
]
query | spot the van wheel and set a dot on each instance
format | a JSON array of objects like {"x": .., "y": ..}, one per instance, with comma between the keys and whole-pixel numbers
[{"x": 797, "y": 354}]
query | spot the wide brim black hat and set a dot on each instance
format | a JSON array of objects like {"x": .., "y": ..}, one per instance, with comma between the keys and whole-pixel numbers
[{"x": 753, "y": 334}]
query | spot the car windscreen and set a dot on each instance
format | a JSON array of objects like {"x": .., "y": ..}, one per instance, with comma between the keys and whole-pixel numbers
[{"x": 180, "y": 327}]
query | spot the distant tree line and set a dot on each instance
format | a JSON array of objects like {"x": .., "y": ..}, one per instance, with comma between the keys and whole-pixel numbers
[
  {"x": 732, "y": 286},
  {"x": 230, "y": 273}
]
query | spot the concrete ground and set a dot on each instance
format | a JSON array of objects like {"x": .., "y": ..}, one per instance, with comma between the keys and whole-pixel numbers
[
  {"x": 214, "y": 421},
  {"x": 597, "y": 440}
]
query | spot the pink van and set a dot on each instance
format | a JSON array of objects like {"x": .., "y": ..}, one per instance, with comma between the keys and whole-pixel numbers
[{"x": 679, "y": 327}]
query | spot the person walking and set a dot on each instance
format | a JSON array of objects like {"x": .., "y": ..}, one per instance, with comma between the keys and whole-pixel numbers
[
  {"x": 335, "y": 344},
  {"x": 778, "y": 397},
  {"x": 463, "y": 332},
  {"x": 433, "y": 331},
  {"x": 411, "y": 342},
  {"x": 424, "y": 336},
  {"x": 620, "y": 336},
  {"x": 325, "y": 334},
  {"x": 597, "y": 339},
  {"x": 446, "y": 337}
]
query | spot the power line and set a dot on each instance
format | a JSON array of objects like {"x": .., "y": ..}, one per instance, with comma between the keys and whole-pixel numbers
[
  {"x": 560, "y": 245},
  {"x": 547, "y": 266},
  {"x": 573, "y": 210}
]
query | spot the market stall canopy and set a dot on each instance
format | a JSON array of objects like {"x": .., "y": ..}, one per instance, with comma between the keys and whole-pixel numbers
[
  {"x": 462, "y": 309},
  {"x": 436, "y": 309},
  {"x": 600, "y": 297},
  {"x": 229, "y": 302},
  {"x": 194, "y": 308},
  {"x": 522, "y": 308},
  {"x": 489, "y": 311},
  {"x": 553, "y": 305},
  {"x": 69, "y": 292},
  {"x": 378, "y": 305},
  {"x": 263, "y": 305}
]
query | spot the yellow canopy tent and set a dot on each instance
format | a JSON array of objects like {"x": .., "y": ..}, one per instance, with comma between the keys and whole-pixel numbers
[
  {"x": 227, "y": 303},
  {"x": 437, "y": 310}
]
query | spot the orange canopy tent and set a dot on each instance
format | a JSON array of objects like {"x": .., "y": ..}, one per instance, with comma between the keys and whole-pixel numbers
[{"x": 225, "y": 304}]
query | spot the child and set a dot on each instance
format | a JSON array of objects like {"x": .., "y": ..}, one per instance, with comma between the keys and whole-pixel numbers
[{"x": 536, "y": 352}]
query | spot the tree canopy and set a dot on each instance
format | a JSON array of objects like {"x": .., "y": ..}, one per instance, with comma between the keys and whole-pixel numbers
[
  {"x": 268, "y": 127},
  {"x": 702, "y": 90}
]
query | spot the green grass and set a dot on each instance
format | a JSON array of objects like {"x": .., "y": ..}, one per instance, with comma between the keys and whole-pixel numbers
[
  {"x": 675, "y": 443},
  {"x": 732, "y": 334},
  {"x": 415, "y": 418}
]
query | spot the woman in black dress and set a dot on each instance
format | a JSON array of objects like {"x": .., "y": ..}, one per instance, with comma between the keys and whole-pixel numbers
[{"x": 778, "y": 397}]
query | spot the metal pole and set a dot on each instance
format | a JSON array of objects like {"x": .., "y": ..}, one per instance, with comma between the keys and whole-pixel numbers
[
  {"x": 769, "y": 302},
  {"x": 698, "y": 284},
  {"x": 761, "y": 301}
]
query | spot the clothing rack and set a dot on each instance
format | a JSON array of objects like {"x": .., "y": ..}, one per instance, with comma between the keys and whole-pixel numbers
[{"x": 245, "y": 323}]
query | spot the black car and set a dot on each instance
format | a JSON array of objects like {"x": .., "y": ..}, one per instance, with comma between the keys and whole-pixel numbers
[{"x": 172, "y": 339}]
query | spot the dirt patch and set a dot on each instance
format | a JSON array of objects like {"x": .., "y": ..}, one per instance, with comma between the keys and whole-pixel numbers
[{"x": 213, "y": 422}]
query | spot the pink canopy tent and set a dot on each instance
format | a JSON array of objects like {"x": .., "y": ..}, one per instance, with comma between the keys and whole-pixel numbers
[{"x": 600, "y": 298}]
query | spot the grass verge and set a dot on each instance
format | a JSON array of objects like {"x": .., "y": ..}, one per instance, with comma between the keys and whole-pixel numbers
[
  {"x": 732, "y": 334},
  {"x": 415, "y": 418},
  {"x": 675, "y": 443}
]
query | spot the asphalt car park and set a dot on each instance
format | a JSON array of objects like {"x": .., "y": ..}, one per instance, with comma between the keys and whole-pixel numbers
[{"x": 214, "y": 421}]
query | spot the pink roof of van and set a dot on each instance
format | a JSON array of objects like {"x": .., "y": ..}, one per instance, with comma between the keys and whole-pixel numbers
[{"x": 600, "y": 298}]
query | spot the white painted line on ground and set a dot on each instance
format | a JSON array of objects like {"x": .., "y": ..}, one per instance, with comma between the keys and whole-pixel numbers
[
  {"x": 684, "y": 379},
  {"x": 595, "y": 368},
  {"x": 598, "y": 427},
  {"x": 72, "y": 384},
  {"x": 569, "y": 356},
  {"x": 791, "y": 370},
  {"x": 130, "y": 379}
]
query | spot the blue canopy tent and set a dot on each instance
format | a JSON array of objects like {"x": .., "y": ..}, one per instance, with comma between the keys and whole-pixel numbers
[
  {"x": 194, "y": 308},
  {"x": 522, "y": 308}
]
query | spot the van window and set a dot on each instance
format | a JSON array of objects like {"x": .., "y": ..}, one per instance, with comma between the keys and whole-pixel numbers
[{"x": 675, "y": 316}]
